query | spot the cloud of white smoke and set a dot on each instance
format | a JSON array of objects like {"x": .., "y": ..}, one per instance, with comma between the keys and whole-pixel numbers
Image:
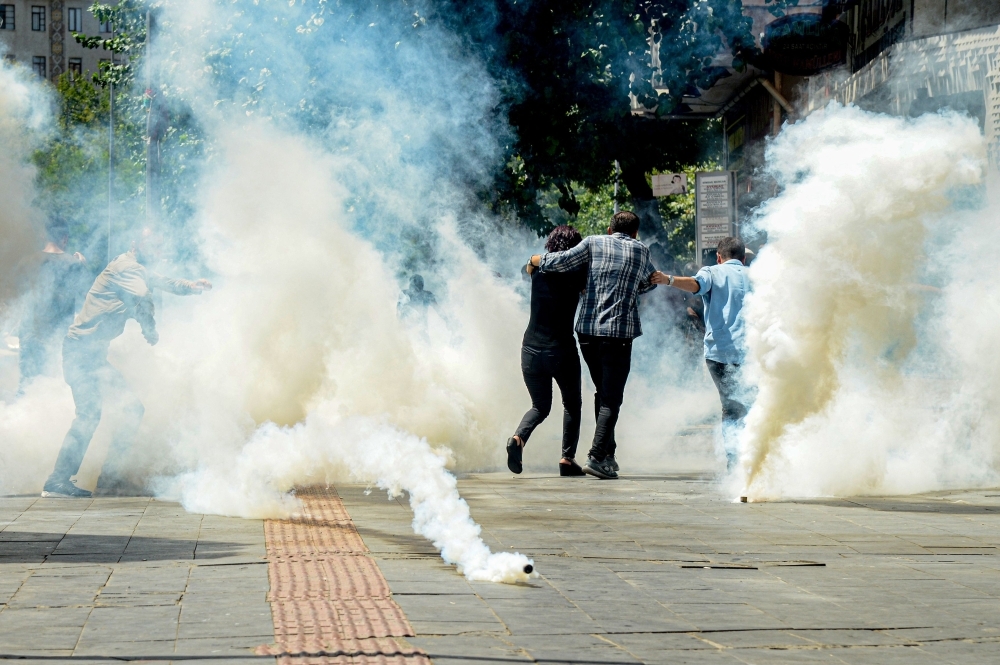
[
  {"x": 872, "y": 311},
  {"x": 296, "y": 368}
]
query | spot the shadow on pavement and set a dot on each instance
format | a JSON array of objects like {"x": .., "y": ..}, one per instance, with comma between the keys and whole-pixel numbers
[
  {"x": 35, "y": 547},
  {"x": 902, "y": 505}
]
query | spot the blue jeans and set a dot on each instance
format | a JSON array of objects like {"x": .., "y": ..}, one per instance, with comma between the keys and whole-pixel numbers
[
  {"x": 727, "y": 382},
  {"x": 94, "y": 381}
]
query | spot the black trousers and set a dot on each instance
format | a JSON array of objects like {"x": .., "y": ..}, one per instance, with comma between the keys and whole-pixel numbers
[
  {"x": 609, "y": 360},
  {"x": 94, "y": 381},
  {"x": 727, "y": 381},
  {"x": 540, "y": 367}
]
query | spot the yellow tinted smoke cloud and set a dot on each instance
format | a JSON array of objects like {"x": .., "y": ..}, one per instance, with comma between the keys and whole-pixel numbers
[
  {"x": 836, "y": 287},
  {"x": 20, "y": 224}
]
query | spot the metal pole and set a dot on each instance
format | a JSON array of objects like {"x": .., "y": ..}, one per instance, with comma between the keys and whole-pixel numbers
[
  {"x": 111, "y": 144},
  {"x": 150, "y": 119}
]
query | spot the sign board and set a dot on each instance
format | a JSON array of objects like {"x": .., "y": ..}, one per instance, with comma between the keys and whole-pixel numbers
[
  {"x": 668, "y": 184},
  {"x": 715, "y": 211}
]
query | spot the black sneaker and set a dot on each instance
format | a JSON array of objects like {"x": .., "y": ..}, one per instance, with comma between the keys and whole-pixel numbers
[
  {"x": 514, "y": 455},
  {"x": 599, "y": 469},
  {"x": 64, "y": 489},
  {"x": 612, "y": 462}
]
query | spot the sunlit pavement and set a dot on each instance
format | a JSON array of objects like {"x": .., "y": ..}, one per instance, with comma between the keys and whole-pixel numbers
[
  {"x": 665, "y": 570},
  {"x": 653, "y": 569}
]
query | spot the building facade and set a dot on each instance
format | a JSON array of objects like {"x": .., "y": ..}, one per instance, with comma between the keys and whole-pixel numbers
[
  {"x": 39, "y": 35},
  {"x": 903, "y": 57}
]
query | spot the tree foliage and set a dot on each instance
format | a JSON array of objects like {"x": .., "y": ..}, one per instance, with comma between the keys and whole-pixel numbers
[{"x": 571, "y": 69}]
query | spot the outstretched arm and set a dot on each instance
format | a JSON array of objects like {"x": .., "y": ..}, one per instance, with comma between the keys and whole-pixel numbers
[
  {"x": 566, "y": 261},
  {"x": 689, "y": 284},
  {"x": 181, "y": 287}
]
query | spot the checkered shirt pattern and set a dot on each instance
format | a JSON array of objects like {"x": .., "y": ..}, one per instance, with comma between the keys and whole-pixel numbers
[{"x": 619, "y": 271}]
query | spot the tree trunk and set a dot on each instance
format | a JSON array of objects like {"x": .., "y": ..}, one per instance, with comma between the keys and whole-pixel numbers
[{"x": 644, "y": 204}]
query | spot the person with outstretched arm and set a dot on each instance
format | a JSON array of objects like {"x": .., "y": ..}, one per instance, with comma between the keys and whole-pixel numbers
[
  {"x": 618, "y": 271},
  {"x": 722, "y": 287},
  {"x": 121, "y": 292}
]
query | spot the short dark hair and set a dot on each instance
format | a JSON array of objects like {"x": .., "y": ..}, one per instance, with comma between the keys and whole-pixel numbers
[
  {"x": 625, "y": 222},
  {"x": 732, "y": 248},
  {"x": 562, "y": 238},
  {"x": 56, "y": 230}
]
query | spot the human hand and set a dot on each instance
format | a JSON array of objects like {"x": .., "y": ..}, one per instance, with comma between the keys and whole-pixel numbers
[
  {"x": 202, "y": 285},
  {"x": 530, "y": 268},
  {"x": 660, "y": 278},
  {"x": 79, "y": 257}
]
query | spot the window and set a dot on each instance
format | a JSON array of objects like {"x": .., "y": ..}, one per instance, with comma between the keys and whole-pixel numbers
[
  {"x": 40, "y": 66},
  {"x": 107, "y": 26},
  {"x": 74, "y": 19},
  {"x": 75, "y": 68},
  {"x": 6, "y": 17},
  {"x": 37, "y": 18}
]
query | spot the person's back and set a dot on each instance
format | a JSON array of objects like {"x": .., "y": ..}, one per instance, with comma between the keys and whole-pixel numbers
[
  {"x": 554, "y": 300},
  {"x": 619, "y": 270},
  {"x": 548, "y": 352},
  {"x": 122, "y": 291},
  {"x": 724, "y": 286}
]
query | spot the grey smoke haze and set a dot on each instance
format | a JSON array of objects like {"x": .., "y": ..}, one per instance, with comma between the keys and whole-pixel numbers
[{"x": 341, "y": 156}]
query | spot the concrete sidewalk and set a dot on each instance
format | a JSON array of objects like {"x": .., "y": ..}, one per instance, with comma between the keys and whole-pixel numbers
[
  {"x": 645, "y": 569},
  {"x": 663, "y": 570},
  {"x": 96, "y": 580}
]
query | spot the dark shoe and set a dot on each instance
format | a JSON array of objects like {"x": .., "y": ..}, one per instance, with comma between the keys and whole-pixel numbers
[
  {"x": 514, "y": 455},
  {"x": 599, "y": 469},
  {"x": 64, "y": 489},
  {"x": 612, "y": 462},
  {"x": 571, "y": 469}
]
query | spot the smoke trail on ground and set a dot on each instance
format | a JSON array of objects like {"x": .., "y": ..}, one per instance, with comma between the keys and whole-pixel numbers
[
  {"x": 864, "y": 370},
  {"x": 299, "y": 368}
]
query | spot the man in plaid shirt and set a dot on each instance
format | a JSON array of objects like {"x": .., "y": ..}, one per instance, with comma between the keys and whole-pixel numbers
[{"x": 619, "y": 271}]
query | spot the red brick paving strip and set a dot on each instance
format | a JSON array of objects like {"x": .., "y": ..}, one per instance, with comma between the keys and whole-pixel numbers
[{"x": 329, "y": 600}]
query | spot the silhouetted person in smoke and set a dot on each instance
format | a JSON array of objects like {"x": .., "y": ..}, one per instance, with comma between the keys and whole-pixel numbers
[
  {"x": 60, "y": 283},
  {"x": 618, "y": 271},
  {"x": 549, "y": 352},
  {"x": 121, "y": 292},
  {"x": 722, "y": 287},
  {"x": 415, "y": 300}
]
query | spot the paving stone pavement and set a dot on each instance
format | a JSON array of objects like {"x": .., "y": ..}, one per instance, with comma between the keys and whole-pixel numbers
[
  {"x": 104, "y": 580},
  {"x": 663, "y": 569},
  {"x": 656, "y": 569}
]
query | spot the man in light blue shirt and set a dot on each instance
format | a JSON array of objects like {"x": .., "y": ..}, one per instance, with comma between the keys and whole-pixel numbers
[{"x": 722, "y": 288}]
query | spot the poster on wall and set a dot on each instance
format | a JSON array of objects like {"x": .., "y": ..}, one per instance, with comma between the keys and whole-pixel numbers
[
  {"x": 715, "y": 211},
  {"x": 669, "y": 184}
]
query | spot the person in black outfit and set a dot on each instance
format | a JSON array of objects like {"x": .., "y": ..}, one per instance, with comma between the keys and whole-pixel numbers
[{"x": 549, "y": 352}]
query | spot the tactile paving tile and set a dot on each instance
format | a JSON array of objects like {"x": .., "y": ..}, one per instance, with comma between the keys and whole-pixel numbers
[
  {"x": 345, "y": 619},
  {"x": 380, "y": 651},
  {"x": 329, "y": 600},
  {"x": 335, "y": 577}
]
